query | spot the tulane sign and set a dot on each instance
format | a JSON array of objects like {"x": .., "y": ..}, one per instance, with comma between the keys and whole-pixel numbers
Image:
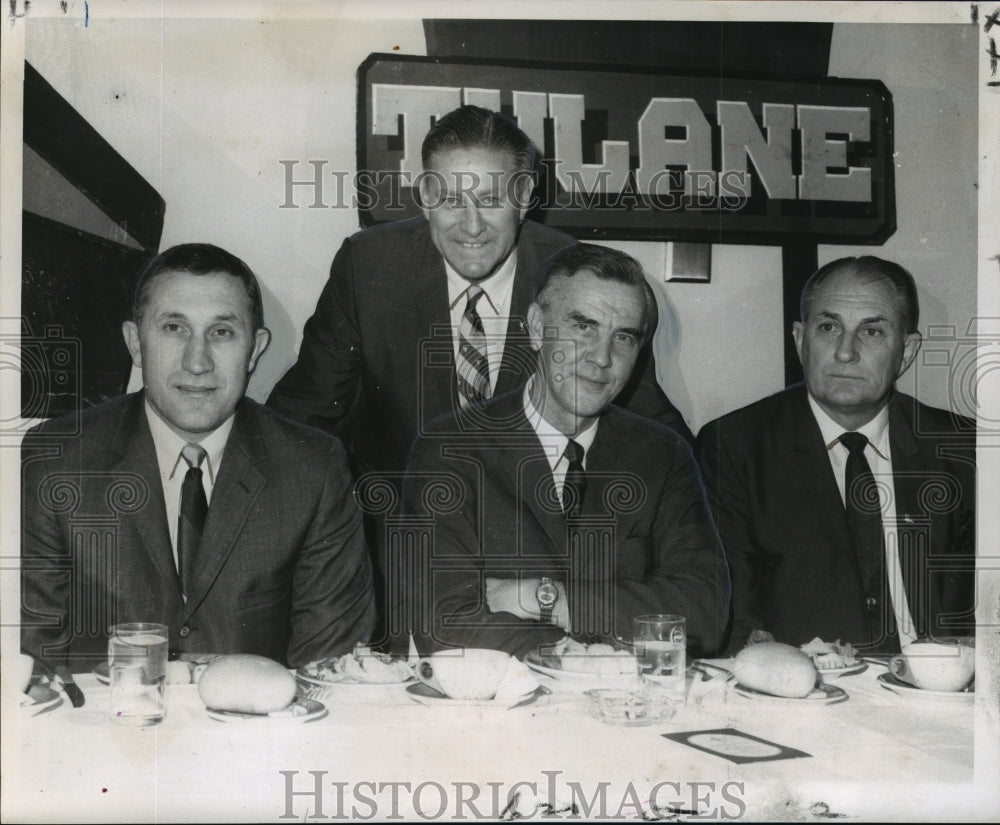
[{"x": 647, "y": 156}]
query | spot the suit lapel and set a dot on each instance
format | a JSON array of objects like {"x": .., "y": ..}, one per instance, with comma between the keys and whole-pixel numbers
[
  {"x": 237, "y": 487},
  {"x": 812, "y": 475},
  {"x": 527, "y": 470},
  {"x": 518, "y": 357},
  {"x": 133, "y": 442},
  {"x": 432, "y": 320},
  {"x": 907, "y": 478}
]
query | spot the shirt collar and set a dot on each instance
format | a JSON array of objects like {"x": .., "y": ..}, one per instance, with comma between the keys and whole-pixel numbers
[
  {"x": 549, "y": 435},
  {"x": 169, "y": 445},
  {"x": 498, "y": 286},
  {"x": 876, "y": 430}
]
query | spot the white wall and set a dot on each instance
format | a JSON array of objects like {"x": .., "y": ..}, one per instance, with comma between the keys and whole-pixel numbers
[{"x": 205, "y": 110}]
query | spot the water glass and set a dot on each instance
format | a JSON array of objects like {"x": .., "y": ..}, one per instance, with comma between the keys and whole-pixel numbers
[
  {"x": 660, "y": 640},
  {"x": 137, "y": 660}
]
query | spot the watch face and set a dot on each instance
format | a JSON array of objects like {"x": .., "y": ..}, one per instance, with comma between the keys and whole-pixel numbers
[{"x": 546, "y": 594}]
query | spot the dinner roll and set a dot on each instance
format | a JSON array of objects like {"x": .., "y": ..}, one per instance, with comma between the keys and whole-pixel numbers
[
  {"x": 775, "y": 668},
  {"x": 245, "y": 683}
]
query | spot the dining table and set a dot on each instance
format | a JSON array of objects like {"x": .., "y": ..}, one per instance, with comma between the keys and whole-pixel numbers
[{"x": 388, "y": 753}]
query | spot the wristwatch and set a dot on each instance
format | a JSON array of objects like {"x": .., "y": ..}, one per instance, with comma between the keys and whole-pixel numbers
[{"x": 547, "y": 596}]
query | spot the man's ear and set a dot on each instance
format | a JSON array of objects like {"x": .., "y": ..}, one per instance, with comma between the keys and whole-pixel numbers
[
  {"x": 911, "y": 346},
  {"x": 797, "y": 335},
  {"x": 262, "y": 338},
  {"x": 536, "y": 325},
  {"x": 130, "y": 332}
]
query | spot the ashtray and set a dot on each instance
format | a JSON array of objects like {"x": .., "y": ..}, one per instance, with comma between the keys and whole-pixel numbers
[{"x": 629, "y": 708}]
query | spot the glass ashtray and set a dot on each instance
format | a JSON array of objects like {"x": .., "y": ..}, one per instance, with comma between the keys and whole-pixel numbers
[{"x": 629, "y": 708}]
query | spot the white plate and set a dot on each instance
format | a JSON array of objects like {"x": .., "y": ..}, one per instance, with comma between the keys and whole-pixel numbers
[
  {"x": 821, "y": 695},
  {"x": 959, "y": 697},
  {"x": 424, "y": 695},
  {"x": 301, "y": 710},
  {"x": 47, "y": 700},
  {"x": 836, "y": 672},
  {"x": 536, "y": 663}
]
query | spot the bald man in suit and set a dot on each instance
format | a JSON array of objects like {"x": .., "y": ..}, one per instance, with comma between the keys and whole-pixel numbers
[{"x": 793, "y": 516}]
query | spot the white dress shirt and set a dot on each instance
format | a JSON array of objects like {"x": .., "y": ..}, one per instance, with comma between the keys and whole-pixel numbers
[
  {"x": 493, "y": 308},
  {"x": 554, "y": 442},
  {"x": 173, "y": 467},
  {"x": 879, "y": 455}
]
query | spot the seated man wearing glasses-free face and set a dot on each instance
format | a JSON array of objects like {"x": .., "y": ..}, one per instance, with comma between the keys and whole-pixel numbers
[
  {"x": 552, "y": 511},
  {"x": 187, "y": 503},
  {"x": 847, "y": 508}
]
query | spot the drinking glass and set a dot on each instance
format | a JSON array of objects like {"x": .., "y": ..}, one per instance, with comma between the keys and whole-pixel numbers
[
  {"x": 659, "y": 641},
  {"x": 137, "y": 659}
]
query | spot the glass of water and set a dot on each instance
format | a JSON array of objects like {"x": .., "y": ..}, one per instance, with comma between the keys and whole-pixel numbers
[
  {"x": 137, "y": 660},
  {"x": 660, "y": 641}
]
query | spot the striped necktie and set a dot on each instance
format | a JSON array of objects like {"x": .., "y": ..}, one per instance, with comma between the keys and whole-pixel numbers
[
  {"x": 191, "y": 522},
  {"x": 472, "y": 368}
]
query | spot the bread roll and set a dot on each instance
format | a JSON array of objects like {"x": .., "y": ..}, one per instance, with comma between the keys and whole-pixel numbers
[
  {"x": 775, "y": 668},
  {"x": 245, "y": 683}
]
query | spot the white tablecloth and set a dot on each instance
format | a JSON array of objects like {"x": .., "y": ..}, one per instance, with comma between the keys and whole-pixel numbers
[{"x": 380, "y": 755}]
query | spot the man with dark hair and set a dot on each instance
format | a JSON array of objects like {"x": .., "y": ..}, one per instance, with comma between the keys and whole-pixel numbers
[
  {"x": 550, "y": 510},
  {"x": 187, "y": 503},
  {"x": 847, "y": 508},
  {"x": 426, "y": 316}
]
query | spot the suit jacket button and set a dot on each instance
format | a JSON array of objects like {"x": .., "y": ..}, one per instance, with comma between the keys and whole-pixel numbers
[
  {"x": 185, "y": 631},
  {"x": 871, "y": 603}
]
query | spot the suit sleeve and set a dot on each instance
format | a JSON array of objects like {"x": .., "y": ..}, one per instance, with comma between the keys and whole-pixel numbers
[
  {"x": 448, "y": 590},
  {"x": 322, "y": 387},
  {"x": 643, "y": 396},
  {"x": 46, "y": 563},
  {"x": 687, "y": 573},
  {"x": 333, "y": 604},
  {"x": 727, "y": 486}
]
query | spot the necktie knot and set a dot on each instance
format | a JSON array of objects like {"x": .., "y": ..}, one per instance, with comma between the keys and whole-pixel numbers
[
  {"x": 574, "y": 453},
  {"x": 193, "y": 455},
  {"x": 472, "y": 296},
  {"x": 855, "y": 443}
]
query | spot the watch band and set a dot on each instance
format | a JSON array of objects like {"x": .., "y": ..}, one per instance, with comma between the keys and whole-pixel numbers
[{"x": 547, "y": 595}]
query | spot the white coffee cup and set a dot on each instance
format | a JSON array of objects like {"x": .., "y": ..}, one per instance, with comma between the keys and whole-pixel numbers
[
  {"x": 469, "y": 673},
  {"x": 935, "y": 664}
]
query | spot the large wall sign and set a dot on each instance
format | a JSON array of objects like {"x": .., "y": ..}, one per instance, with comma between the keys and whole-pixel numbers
[{"x": 645, "y": 156}]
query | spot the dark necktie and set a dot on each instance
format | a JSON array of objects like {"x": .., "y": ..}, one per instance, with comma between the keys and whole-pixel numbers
[
  {"x": 864, "y": 513},
  {"x": 472, "y": 367},
  {"x": 191, "y": 522},
  {"x": 575, "y": 485}
]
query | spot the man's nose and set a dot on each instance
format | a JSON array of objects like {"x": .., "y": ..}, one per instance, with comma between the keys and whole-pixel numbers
[
  {"x": 599, "y": 352},
  {"x": 472, "y": 221},
  {"x": 847, "y": 349},
  {"x": 197, "y": 356}
]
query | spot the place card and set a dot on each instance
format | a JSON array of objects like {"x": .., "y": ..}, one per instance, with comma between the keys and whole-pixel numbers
[{"x": 734, "y": 745}]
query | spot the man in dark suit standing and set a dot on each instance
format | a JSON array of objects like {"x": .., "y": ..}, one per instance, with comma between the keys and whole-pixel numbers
[
  {"x": 549, "y": 509},
  {"x": 187, "y": 503},
  {"x": 847, "y": 508},
  {"x": 382, "y": 354}
]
